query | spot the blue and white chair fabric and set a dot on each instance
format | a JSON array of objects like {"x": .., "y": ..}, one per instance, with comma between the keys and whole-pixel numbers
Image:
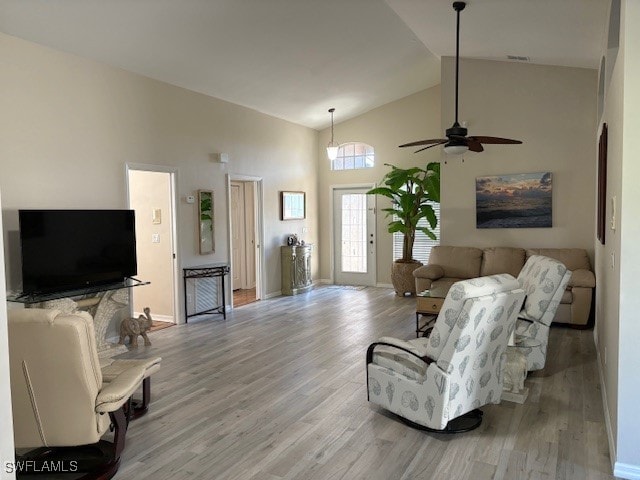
[
  {"x": 432, "y": 381},
  {"x": 544, "y": 281}
]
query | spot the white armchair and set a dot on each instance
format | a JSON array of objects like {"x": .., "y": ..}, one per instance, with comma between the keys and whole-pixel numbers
[
  {"x": 57, "y": 393},
  {"x": 544, "y": 281},
  {"x": 439, "y": 383}
]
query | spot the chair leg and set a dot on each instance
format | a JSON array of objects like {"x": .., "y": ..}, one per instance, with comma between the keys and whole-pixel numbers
[
  {"x": 142, "y": 407},
  {"x": 464, "y": 423}
]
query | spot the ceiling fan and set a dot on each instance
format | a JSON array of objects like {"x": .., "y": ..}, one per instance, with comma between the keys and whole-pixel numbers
[{"x": 457, "y": 141}]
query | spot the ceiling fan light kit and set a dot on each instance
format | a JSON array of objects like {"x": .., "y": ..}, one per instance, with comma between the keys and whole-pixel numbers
[
  {"x": 332, "y": 146},
  {"x": 457, "y": 141},
  {"x": 455, "y": 149}
]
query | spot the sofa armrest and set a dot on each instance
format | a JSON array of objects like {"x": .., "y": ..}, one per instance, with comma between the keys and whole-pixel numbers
[
  {"x": 432, "y": 272},
  {"x": 114, "y": 394},
  {"x": 582, "y": 278}
]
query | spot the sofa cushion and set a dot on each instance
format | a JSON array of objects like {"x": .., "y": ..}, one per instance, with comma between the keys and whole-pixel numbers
[
  {"x": 502, "y": 260},
  {"x": 567, "y": 297},
  {"x": 457, "y": 262},
  {"x": 432, "y": 272},
  {"x": 572, "y": 258}
]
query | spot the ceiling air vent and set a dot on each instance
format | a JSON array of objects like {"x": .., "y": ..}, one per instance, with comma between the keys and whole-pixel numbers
[{"x": 518, "y": 58}]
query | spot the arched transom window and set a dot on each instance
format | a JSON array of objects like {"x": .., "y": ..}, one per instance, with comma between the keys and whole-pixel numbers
[{"x": 352, "y": 156}]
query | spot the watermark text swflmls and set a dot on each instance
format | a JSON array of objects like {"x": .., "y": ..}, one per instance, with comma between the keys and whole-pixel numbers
[{"x": 41, "y": 466}]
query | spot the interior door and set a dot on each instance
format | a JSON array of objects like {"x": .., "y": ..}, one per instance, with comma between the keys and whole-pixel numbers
[
  {"x": 237, "y": 240},
  {"x": 250, "y": 234},
  {"x": 354, "y": 261}
]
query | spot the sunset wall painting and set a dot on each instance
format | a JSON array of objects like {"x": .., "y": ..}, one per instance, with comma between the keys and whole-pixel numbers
[{"x": 521, "y": 200}]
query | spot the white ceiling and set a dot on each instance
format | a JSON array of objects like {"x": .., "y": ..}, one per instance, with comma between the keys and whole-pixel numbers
[{"x": 294, "y": 59}]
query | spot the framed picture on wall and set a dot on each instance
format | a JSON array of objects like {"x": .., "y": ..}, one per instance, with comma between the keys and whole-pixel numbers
[
  {"x": 292, "y": 205},
  {"x": 516, "y": 200},
  {"x": 602, "y": 184}
]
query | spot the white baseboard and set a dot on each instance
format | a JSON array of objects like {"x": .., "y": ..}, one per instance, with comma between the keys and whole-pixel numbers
[
  {"x": 325, "y": 281},
  {"x": 605, "y": 407},
  {"x": 154, "y": 316},
  {"x": 384, "y": 285},
  {"x": 624, "y": 470},
  {"x": 272, "y": 295}
]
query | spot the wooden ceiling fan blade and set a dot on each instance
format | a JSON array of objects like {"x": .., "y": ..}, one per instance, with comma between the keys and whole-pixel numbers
[
  {"x": 419, "y": 143},
  {"x": 495, "y": 140},
  {"x": 474, "y": 145},
  {"x": 431, "y": 146}
]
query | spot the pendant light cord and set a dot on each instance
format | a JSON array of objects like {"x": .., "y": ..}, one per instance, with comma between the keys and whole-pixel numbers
[
  {"x": 457, "y": 57},
  {"x": 331, "y": 110}
]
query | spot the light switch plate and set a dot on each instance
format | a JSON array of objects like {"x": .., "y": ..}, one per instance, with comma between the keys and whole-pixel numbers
[{"x": 155, "y": 238}]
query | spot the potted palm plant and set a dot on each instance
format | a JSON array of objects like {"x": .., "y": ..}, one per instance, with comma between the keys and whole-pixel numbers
[{"x": 412, "y": 191}]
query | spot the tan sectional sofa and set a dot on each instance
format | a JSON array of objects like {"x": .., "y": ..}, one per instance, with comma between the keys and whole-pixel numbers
[{"x": 448, "y": 265}]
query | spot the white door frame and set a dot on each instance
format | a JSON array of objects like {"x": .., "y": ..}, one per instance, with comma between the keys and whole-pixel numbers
[
  {"x": 173, "y": 171},
  {"x": 259, "y": 227},
  {"x": 332, "y": 189}
]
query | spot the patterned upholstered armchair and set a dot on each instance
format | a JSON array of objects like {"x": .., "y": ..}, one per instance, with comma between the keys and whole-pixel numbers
[
  {"x": 439, "y": 383},
  {"x": 544, "y": 281}
]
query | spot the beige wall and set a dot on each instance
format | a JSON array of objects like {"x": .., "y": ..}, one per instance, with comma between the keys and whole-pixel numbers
[
  {"x": 411, "y": 118},
  {"x": 68, "y": 126},
  {"x": 618, "y": 329},
  {"x": 552, "y": 110},
  {"x": 607, "y": 292},
  {"x": 149, "y": 191}
]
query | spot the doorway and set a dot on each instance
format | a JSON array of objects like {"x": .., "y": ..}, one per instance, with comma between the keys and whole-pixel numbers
[
  {"x": 244, "y": 225},
  {"x": 151, "y": 194},
  {"x": 354, "y": 258}
]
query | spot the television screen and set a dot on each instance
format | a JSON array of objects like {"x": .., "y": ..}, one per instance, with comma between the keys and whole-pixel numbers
[{"x": 69, "y": 249}]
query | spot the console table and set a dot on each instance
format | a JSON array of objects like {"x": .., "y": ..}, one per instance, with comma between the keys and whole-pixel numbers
[
  {"x": 213, "y": 270},
  {"x": 428, "y": 304}
]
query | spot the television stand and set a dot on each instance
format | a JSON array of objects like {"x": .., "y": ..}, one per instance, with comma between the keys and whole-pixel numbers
[
  {"x": 30, "y": 298},
  {"x": 104, "y": 302}
]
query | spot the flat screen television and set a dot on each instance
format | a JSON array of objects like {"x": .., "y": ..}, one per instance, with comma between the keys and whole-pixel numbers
[{"x": 74, "y": 249}]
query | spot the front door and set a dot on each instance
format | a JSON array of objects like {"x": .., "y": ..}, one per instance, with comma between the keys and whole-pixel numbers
[{"x": 354, "y": 241}]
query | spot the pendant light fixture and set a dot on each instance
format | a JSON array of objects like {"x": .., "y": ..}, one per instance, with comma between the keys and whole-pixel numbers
[{"x": 332, "y": 147}]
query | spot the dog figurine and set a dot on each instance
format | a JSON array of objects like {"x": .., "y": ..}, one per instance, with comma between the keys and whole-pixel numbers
[{"x": 132, "y": 327}]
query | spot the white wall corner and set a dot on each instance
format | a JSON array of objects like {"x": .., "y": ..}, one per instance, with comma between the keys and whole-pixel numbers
[{"x": 6, "y": 417}]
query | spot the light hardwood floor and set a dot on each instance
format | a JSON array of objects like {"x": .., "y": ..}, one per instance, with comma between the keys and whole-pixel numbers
[{"x": 278, "y": 391}]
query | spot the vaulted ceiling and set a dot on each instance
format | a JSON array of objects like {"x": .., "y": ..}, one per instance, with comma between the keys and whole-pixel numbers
[{"x": 294, "y": 59}]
